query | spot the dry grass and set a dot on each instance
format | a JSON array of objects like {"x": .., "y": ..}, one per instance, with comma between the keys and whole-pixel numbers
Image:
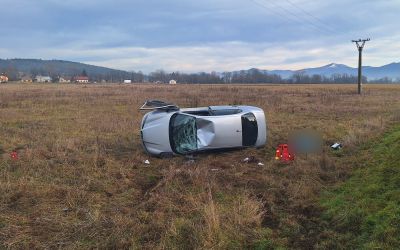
[{"x": 80, "y": 180}]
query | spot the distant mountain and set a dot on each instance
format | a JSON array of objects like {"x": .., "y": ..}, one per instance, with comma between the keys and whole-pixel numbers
[
  {"x": 330, "y": 69},
  {"x": 18, "y": 67},
  {"x": 372, "y": 73},
  {"x": 391, "y": 70},
  {"x": 285, "y": 74}
]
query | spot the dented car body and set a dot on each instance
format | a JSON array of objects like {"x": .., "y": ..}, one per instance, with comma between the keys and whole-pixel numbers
[{"x": 170, "y": 130}]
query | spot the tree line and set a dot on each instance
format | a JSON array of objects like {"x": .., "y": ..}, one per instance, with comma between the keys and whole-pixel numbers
[
  {"x": 160, "y": 76},
  {"x": 255, "y": 76}
]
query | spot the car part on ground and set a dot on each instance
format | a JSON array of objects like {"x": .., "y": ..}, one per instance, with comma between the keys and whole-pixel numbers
[{"x": 336, "y": 146}]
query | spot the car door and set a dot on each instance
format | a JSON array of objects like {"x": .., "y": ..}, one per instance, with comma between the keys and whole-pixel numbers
[
  {"x": 228, "y": 132},
  {"x": 220, "y": 131}
]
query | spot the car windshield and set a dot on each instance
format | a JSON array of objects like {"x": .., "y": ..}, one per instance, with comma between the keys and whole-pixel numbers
[{"x": 183, "y": 133}]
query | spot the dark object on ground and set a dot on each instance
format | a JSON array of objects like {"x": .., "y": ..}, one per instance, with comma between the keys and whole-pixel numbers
[{"x": 251, "y": 159}]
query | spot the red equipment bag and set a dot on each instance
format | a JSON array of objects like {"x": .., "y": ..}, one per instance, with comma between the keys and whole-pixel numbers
[{"x": 284, "y": 153}]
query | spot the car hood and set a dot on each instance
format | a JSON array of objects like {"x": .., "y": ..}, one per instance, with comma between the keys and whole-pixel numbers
[{"x": 155, "y": 132}]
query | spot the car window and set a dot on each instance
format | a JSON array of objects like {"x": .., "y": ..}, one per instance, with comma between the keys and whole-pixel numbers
[
  {"x": 217, "y": 112},
  {"x": 198, "y": 112},
  {"x": 249, "y": 129},
  {"x": 183, "y": 133}
]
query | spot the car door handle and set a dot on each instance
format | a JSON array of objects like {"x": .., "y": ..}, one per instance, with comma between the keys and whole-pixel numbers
[{"x": 238, "y": 131}]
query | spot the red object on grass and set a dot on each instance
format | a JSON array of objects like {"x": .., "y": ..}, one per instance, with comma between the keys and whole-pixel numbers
[
  {"x": 283, "y": 153},
  {"x": 14, "y": 155}
]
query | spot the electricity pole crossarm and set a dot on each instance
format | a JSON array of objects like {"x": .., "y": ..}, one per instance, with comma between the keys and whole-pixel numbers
[{"x": 360, "y": 45}]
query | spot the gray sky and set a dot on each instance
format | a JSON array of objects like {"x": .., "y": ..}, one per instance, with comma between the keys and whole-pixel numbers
[{"x": 205, "y": 35}]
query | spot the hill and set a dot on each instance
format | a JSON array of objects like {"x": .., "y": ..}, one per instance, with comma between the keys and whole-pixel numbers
[
  {"x": 18, "y": 67},
  {"x": 372, "y": 73},
  {"x": 391, "y": 71}
]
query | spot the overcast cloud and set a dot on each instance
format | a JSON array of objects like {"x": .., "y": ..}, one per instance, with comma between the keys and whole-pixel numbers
[{"x": 207, "y": 35}]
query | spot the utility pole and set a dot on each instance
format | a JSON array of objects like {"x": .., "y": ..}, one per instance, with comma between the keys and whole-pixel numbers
[{"x": 360, "y": 45}]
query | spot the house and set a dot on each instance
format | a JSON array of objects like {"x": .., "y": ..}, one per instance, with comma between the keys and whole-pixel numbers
[
  {"x": 64, "y": 79},
  {"x": 26, "y": 79},
  {"x": 3, "y": 78},
  {"x": 127, "y": 81},
  {"x": 172, "y": 82},
  {"x": 81, "y": 79},
  {"x": 42, "y": 79}
]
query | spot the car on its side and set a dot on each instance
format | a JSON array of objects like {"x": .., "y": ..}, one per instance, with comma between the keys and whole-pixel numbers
[{"x": 169, "y": 130}]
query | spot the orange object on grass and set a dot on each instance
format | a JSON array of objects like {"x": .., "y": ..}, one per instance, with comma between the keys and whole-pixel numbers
[
  {"x": 14, "y": 155},
  {"x": 284, "y": 153}
]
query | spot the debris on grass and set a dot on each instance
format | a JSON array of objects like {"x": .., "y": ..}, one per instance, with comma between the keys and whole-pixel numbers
[
  {"x": 251, "y": 159},
  {"x": 190, "y": 162},
  {"x": 190, "y": 159},
  {"x": 147, "y": 162},
  {"x": 336, "y": 146},
  {"x": 14, "y": 155}
]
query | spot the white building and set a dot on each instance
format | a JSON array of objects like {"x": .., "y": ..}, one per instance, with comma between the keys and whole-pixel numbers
[
  {"x": 3, "y": 79},
  {"x": 42, "y": 78},
  {"x": 127, "y": 81},
  {"x": 172, "y": 82},
  {"x": 64, "y": 79}
]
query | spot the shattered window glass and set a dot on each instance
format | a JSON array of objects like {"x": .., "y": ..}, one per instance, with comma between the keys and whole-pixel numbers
[{"x": 183, "y": 133}]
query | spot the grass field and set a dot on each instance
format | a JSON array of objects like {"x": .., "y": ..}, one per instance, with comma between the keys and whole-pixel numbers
[
  {"x": 80, "y": 180},
  {"x": 364, "y": 212}
]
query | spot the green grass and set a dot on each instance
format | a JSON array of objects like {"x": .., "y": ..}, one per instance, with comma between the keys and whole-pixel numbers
[{"x": 365, "y": 211}]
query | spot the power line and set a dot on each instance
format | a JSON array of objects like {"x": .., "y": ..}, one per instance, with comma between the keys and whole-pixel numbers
[
  {"x": 299, "y": 18},
  {"x": 330, "y": 27},
  {"x": 277, "y": 13},
  {"x": 290, "y": 19},
  {"x": 274, "y": 11}
]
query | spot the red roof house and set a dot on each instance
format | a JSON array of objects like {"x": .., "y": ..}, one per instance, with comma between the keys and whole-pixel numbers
[{"x": 81, "y": 79}]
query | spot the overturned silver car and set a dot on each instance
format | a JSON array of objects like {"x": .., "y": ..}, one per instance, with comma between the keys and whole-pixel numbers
[{"x": 168, "y": 129}]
